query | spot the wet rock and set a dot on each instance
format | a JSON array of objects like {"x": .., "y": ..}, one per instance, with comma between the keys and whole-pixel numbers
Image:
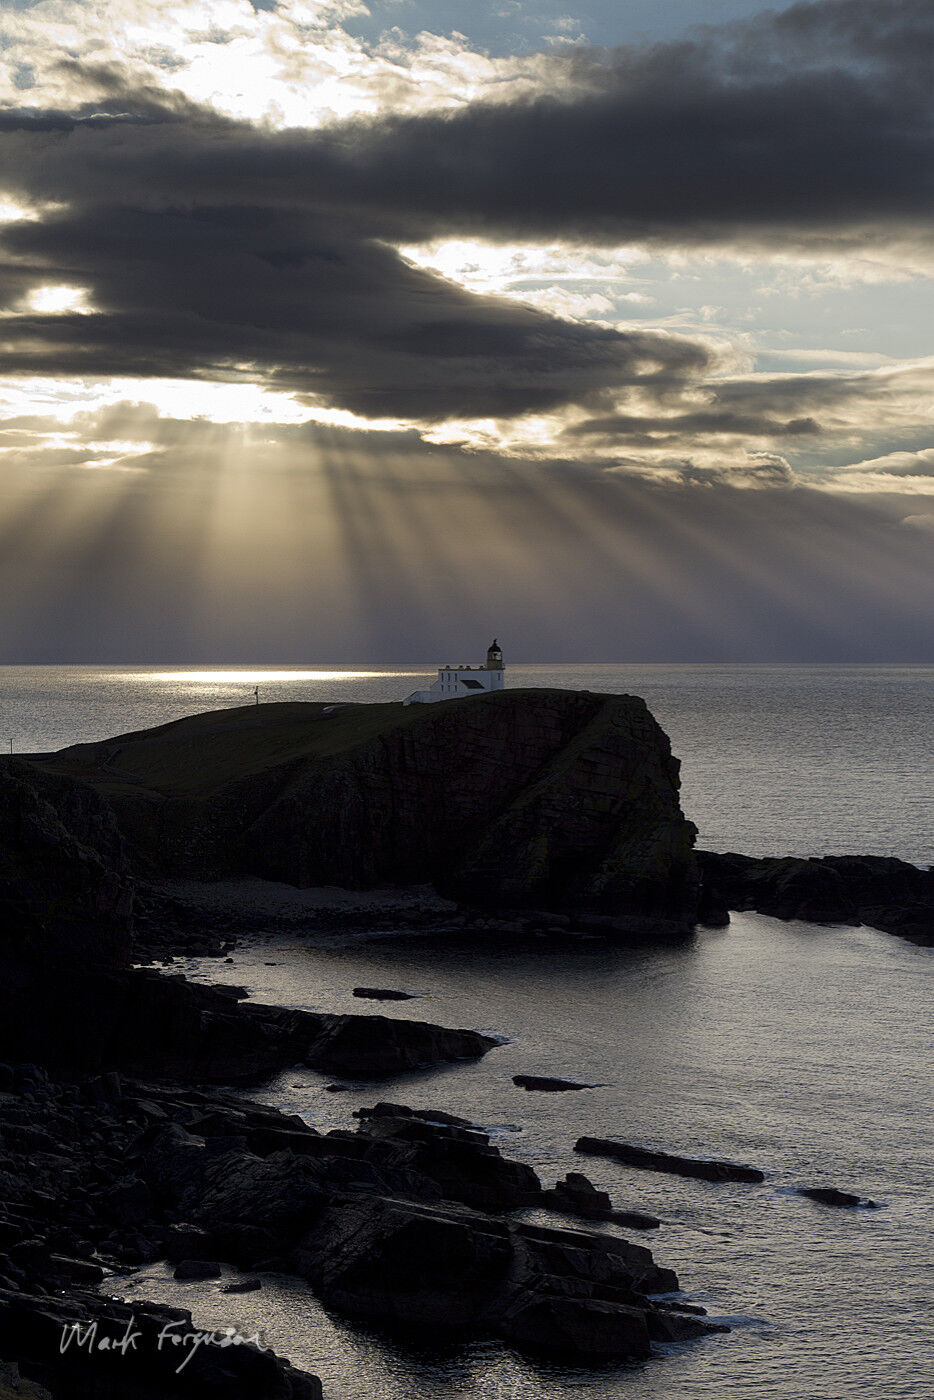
[
  {"x": 590, "y": 1330},
  {"x": 247, "y": 1285},
  {"x": 546, "y": 1085},
  {"x": 576, "y": 1195},
  {"x": 648, "y": 1160},
  {"x": 672, "y": 1324},
  {"x": 197, "y": 1269},
  {"x": 881, "y": 891},
  {"x": 381, "y": 994},
  {"x": 831, "y": 1196}
]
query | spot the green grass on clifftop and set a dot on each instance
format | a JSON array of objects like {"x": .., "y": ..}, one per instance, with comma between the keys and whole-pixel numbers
[{"x": 197, "y": 755}]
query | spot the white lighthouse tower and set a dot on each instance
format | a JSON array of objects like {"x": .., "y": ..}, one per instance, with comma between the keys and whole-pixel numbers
[{"x": 456, "y": 681}]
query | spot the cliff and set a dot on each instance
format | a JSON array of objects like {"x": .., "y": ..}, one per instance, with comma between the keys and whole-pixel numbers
[
  {"x": 64, "y": 895},
  {"x": 541, "y": 798}
]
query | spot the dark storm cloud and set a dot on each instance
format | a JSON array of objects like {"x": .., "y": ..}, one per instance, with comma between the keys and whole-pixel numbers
[
  {"x": 788, "y": 129},
  {"x": 790, "y": 126},
  {"x": 642, "y": 430},
  {"x": 310, "y": 300},
  {"x": 209, "y": 247}
]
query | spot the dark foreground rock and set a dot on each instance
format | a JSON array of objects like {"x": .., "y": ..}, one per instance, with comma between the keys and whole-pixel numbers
[
  {"x": 534, "y": 798},
  {"x": 384, "y": 1223},
  {"x": 700, "y": 1167},
  {"x": 454, "y": 1154},
  {"x": 885, "y": 893},
  {"x": 568, "y": 1292},
  {"x": 146, "y": 1023},
  {"x": 103, "y": 1349},
  {"x": 378, "y": 1222},
  {"x": 576, "y": 1195},
  {"x": 831, "y": 1196}
]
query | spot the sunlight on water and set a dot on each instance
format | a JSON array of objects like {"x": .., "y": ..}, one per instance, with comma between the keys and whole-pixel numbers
[
  {"x": 260, "y": 677},
  {"x": 803, "y": 760}
]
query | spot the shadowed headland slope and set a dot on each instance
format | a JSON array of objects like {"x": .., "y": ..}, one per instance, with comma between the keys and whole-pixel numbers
[{"x": 546, "y": 798}]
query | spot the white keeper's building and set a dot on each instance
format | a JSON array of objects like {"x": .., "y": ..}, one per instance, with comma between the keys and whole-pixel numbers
[{"x": 456, "y": 681}]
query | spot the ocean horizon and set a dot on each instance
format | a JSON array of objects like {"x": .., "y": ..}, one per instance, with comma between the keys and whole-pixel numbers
[{"x": 776, "y": 759}]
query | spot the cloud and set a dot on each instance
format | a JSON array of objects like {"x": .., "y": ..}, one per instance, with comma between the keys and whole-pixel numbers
[
  {"x": 308, "y": 305},
  {"x": 808, "y": 130},
  {"x": 908, "y": 473},
  {"x": 198, "y": 245}
]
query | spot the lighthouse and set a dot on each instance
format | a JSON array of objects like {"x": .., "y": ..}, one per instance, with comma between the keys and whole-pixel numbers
[{"x": 456, "y": 682}]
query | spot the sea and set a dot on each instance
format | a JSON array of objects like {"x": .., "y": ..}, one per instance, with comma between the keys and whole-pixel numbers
[{"x": 801, "y": 1049}]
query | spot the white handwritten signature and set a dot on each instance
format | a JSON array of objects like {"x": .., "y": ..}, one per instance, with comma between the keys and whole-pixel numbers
[{"x": 86, "y": 1335}]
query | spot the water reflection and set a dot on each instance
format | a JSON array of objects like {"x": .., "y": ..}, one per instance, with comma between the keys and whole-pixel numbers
[{"x": 258, "y": 677}]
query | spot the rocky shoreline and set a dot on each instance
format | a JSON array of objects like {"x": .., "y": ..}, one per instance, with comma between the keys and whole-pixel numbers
[
  {"x": 111, "y": 1158},
  {"x": 405, "y": 1220}
]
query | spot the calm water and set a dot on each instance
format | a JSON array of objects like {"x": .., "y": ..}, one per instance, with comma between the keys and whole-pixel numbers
[
  {"x": 775, "y": 759},
  {"x": 803, "y": 1050}
]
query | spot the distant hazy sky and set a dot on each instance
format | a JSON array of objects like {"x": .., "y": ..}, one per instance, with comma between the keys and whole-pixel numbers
[{"x": 333, "y": 332}]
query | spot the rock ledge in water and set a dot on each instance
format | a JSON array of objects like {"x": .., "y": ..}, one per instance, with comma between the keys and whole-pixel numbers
[
  {"x": 547, "y": 1085},
  {"x": 700, "y": 1167},
  {"x": 831, "y": 1196},
  {"x": 881, "y": 891}
]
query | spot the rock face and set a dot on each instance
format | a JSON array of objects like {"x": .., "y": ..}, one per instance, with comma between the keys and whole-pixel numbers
[
  {"x": 702, "y": 1168},
  {"x": 64, "y": 896},
  {"x": 885, "y": 893},
  {"x": 539, "y": 798}
]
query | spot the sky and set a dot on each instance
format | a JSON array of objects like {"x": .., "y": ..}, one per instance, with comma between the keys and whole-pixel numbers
[{"x": 346, "y": 333}]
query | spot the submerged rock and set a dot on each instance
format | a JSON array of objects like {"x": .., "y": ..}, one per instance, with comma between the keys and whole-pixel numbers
[{"x": 701, "y": 1167}]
